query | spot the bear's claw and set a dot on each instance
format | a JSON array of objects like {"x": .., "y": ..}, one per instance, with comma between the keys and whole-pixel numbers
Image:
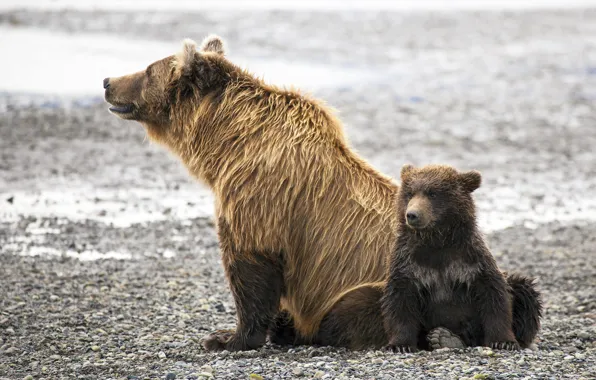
[
  {"x": 441, "y": 337},
  {"x": 511, "y": 346},
  {"x": 401, "y": 349}
]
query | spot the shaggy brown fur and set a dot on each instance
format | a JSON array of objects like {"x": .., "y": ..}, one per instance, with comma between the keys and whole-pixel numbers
[
  {"x": 442, "y": 274},
  {"x": 303, "y": 220}
]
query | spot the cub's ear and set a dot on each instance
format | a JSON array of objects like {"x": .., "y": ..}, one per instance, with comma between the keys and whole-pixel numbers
[
  {"x": 187, "y": 57},
  {"x": 213, "y": 44},
  {"x": 406, "y": 170},
  {"x": 470, "y": 180}
]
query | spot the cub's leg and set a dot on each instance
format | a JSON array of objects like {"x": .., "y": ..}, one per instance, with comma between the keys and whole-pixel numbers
[
  {"x": 491, "y": 295},
  {"x": 401, "y": 305},
  {"x": 256, "y": 281},
  {"x": 355, "y": 321},
  {"x": 527, "y": 308}
]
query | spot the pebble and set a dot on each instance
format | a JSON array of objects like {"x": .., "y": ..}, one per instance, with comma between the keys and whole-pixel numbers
[
  {"x": 568, "y": 357},
  {"x": 95, "y": 348},
  {"x": 161, "y": 355},
  {"x": 55, "y": 357},
  {"x": 54, "y": 297},
  {"x": 11, "y": 351},
  {"x": 171, "y": 376},
  {"x": 28, "y": 377},
  {"x": 298, "y": 371}
]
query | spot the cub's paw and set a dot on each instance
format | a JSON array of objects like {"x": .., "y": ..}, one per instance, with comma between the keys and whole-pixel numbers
[
  {"x": 218, "y": 340},
  {"x": 441, "y": 337},
  {"x": 511, "y": 346},
  {"x": 402, "y": 349}
]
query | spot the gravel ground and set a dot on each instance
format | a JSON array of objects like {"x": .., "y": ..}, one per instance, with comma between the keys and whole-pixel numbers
[{"x": 510, "y": 94}]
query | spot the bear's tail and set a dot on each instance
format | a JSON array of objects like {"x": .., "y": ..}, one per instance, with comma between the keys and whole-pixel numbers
[{"x": 527, "y": 308}]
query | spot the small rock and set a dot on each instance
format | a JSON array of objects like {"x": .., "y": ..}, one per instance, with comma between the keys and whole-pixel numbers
[
  {"x": 377, "y": 361},
  {"x": 315, "y": 352},
  {"x": 54, "y": 297},
  {"x": 207, "y": 368},
  {"x": 254, "y": 376},
  {"x": 488, "y": 353},
  {"x": 568, "y": 357},
  {"x": 170, "y": 376},
  {"x": 205, "y": 375},
  {"x": 95, "y": 348},
  {"x": 319, "y": 374},
  {"x": 521, "y": 361},
  {"x": 34, "y": 364},
  {"x": 55, "y": 357},
  {"x": 10, "y": 351},
  {"x": 297, "y": 372},
  {"x": 4, "y": 322},
  {"x": 161, "y": 355},
  {"x": 481, "y": 376},
  {"x": 580, "y": 356},
  {"x": 28, "y": 377},
  {"x": 10, "y": 331}
]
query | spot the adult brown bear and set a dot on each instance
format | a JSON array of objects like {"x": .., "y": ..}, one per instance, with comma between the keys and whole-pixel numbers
[{"x": 305, "y": 225}]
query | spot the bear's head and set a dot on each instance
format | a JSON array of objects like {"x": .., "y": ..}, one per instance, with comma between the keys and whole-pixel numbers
[
  {"x": 437, "y": 197},
  {"x": 148, "y": 96}
]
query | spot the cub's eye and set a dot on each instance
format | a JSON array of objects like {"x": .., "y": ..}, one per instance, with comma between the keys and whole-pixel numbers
[
  {"x": 408, "y": 194},
  {"x": 431, "y": 194}
]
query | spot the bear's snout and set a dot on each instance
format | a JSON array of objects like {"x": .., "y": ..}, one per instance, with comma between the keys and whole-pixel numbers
[
  {"x": 106, "y": 83},
  {"x": 418, "y": 212},
  {"x": 412, "y": 217}
]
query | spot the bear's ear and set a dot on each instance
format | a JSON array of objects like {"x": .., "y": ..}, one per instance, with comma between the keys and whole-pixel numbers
[
  {"x": 213, "y": 44},
  {"x": 186, "y": 58},
  {"x": 406, "y": 170},
  {"x": 470, "y": 180}
]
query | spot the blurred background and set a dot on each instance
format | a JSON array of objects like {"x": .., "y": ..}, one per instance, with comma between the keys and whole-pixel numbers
[
  {"x": 506, "y": 87},
  {"x": 109, "y": 266}
]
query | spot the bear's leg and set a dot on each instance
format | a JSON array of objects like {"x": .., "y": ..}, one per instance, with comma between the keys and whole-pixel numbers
[
  {"x": 355, "y": 321},
  {"x": 527, "y": 308},
  {"x": 257, "y": 285},
  {"x": 492, "y": 299}
]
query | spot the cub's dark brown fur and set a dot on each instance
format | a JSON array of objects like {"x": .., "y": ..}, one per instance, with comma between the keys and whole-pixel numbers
[{"x": 442, "y": 273}]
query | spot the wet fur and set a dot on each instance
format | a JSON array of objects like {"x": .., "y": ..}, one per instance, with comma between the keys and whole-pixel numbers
[
  {"x": 443, "y": 275},
  {"x": 298, "y": 210}
]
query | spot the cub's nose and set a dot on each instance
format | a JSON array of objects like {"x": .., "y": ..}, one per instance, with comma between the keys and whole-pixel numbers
[
  {"x": 106, "y": 83},
  {"x": 412, "y": 217}
]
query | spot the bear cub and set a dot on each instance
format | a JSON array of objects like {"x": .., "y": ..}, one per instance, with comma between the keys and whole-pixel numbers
[{"x": 444, "y": 287}]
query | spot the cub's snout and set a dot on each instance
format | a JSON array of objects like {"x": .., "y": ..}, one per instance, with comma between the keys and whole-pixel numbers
[{"x": 418, "y": 212}]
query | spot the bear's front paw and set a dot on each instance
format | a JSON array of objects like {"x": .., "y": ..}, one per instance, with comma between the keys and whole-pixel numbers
[
  {"x": 511, "y": 346},
  {"x": 401, "y": 348},
  {"x": 218, "y": 340}
]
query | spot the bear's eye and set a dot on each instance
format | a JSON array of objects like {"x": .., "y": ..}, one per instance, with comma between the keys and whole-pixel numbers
[{"x": 431, "y": 194}]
